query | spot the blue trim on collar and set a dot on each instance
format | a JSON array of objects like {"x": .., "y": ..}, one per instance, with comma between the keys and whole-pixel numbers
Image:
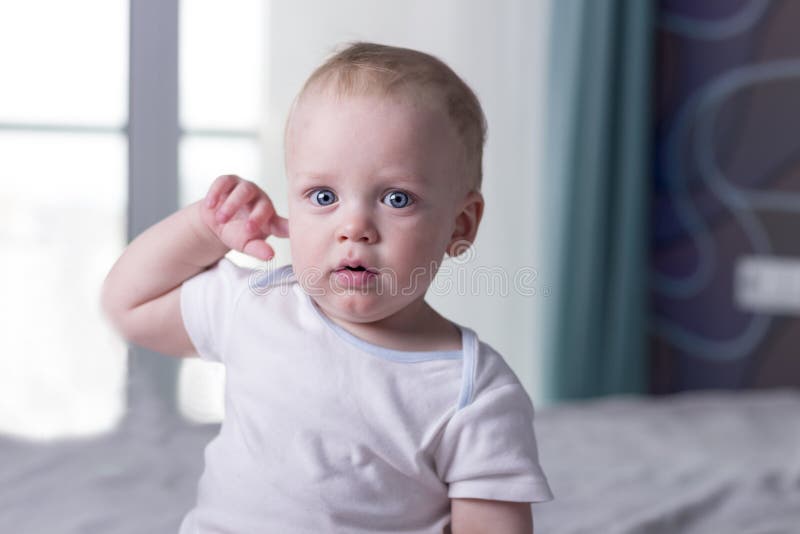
[
  {"x": 385, "y": 353},
  {"x": 469, "y": 340},
  {"x": 468, "y": 369}
]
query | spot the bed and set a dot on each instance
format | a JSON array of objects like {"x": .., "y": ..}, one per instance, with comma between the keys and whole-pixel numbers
[
  {"x": 704, "y": 462},
  {"x": 707, "y": 462}
]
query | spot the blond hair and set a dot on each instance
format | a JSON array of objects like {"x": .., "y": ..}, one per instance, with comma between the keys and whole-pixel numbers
[{"x": 366, "y": 68}]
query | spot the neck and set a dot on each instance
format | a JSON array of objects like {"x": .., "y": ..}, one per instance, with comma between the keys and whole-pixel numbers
[{"x": 417, "y": 327}]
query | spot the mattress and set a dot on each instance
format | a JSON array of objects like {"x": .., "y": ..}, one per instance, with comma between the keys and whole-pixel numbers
[
  {"x": 707, "y": 462},
  {"x": 710, "y": 462}
]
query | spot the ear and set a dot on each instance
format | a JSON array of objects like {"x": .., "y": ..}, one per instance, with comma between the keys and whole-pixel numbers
[{"x": 467, "y": 222}]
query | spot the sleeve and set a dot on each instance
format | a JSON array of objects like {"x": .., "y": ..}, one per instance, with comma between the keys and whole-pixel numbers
[
  {"x": 208, "y": 305},
  {"x": 488, "y": 449}
]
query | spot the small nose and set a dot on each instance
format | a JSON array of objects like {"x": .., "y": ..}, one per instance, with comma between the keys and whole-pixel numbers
[{"x": 357, "y": 226}]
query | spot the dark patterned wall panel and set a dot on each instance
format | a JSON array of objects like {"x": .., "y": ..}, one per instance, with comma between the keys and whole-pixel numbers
[{"x": 726, "y": 204}]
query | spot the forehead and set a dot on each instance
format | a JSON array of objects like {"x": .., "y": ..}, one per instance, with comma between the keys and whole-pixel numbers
[
  {"x": 330, "y": 103},
  {"x": 369, "y": 83},
  {"x": 373, "y": 90},
  {"x": 396, "y": 131}
]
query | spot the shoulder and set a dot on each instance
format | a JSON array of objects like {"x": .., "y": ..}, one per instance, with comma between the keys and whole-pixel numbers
[
  {"x": 492, "y": 368},
  {"x": 486, "y": 373},
  {"x": 232, "y": 278}
]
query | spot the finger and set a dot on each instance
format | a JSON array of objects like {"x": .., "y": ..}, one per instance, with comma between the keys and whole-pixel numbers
[
  {"x": 221, "y": 186},
  {"x": 259, "y": 249},
  {"x": 279, "y": 226},
  {"x": 260, "y": 215},
  {"x": 241, "y": 195}
]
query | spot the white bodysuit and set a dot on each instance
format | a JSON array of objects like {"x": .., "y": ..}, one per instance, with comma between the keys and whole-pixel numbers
[{"x": 325, "y": 432}]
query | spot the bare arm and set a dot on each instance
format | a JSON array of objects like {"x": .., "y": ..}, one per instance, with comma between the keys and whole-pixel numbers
[
  {"x": 141, "y": 293},
  {"x": 479, "y": 516}
]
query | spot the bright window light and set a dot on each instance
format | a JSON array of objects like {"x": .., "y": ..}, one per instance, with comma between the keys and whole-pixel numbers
[
  {"x": 222, "y": 51},
  {"x": 64, "y": 62},
  {"x": 61, "y": 228}
]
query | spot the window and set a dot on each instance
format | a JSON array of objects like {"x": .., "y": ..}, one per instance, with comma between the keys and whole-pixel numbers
[
  {"x": 221, "y": 95},
  {"x": 63, "y": 190},
  {"x": 64, "y": 144}
]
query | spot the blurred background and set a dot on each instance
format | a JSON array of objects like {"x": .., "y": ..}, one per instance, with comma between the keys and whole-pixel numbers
[
  {"x": 640, "y": 177},
  {"x": 115, "y": 114}
]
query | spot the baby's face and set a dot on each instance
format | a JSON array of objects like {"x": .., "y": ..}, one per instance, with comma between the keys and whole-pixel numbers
[{"x": 376, "y": 182}]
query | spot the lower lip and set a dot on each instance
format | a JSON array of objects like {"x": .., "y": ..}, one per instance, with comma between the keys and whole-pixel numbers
[{"x": 349, "y": 278}]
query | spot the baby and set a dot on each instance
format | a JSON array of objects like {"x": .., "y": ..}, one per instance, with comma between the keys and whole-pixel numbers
[{"x": 351, "y": 404}]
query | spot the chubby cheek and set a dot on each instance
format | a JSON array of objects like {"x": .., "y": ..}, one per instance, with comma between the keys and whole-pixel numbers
[
  {"x": 416, "y": 254},
  {"x": 308, "y": 251}
]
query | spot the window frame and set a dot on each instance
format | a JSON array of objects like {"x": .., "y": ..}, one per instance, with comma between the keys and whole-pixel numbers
[{"x": 153, "y": 137}]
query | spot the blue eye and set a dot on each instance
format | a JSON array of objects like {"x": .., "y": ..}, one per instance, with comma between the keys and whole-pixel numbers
[
  {"x": 322, "y": 197},
  {"x": 398, "y": 199}
]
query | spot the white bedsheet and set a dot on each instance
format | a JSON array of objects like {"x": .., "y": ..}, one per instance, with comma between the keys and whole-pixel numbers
[
  {"x": 703, "y": 462},
  {"x": 711, "y": 463}
]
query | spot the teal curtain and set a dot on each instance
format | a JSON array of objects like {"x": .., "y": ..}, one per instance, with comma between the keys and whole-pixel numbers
[{"x": 598, "y": 168}]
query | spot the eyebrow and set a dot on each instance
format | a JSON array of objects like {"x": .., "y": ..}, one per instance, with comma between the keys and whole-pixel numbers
[{"x": 400, "y": 177}]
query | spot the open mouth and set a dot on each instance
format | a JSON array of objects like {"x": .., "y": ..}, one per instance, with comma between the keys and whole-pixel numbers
[
  {"x": 356, "y": 268},
  {"x": 355, "y": 276}
]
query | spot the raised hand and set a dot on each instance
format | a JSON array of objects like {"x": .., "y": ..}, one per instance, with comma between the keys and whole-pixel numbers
[{"x": 241, "y": 215}]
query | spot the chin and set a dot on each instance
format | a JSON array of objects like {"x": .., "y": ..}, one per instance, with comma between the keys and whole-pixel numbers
[{"x": 356, "y": 308}]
